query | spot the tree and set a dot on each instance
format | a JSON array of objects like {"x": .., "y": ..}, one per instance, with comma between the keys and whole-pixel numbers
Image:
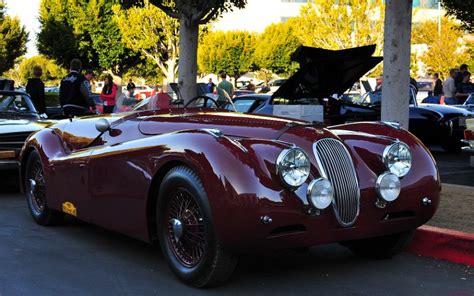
[
  {"x": 87, "y": 31},
  {"x": 463, "y": 10},
  {"x": 446, "y": 50},
  {"x": 190, "y": 15},
  {"x": 275, "y": 46},
  {"x": 52, "y": 73},
  {"x": 230, "y": 52},
  {"x": 149, "y": 31},
  {"x": 13, "y": 38},
  {"x": 331, "y": 26}
]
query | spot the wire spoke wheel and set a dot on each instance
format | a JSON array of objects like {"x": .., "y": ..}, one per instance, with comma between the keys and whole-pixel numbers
[
  {"x": 37, "y": 188},
  {"x": 185, "y": 232}
]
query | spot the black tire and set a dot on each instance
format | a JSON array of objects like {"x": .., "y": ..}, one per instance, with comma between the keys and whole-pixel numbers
[
  {"x": 190, "y": 247},
  {"x": 383, "y": 247},
  {"x": 36, "y": 194}
]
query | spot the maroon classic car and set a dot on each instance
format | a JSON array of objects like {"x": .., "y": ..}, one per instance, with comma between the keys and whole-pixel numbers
[{"x": 210, "y": 184}]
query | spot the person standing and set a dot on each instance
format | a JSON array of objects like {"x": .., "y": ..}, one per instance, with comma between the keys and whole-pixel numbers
[
  {"x": 449, "y": 88},
  {"x": 35, "y": 88},
  {"x": 465, "y": 88},
  {"x": 251, "y": 86},
  {"x": 211, "y": 86},
  {"x": 378, "y": 84},
  {"x": 72, "y": 93},
  {"x": 131, "y": 88},
  {"x": 460, "y": 74},
  {"x": 438, "y": 87},
  {"x": 225, "y": 90},
  {"x": 86, "y": 89},
  {"x": 109, "y": 91}
]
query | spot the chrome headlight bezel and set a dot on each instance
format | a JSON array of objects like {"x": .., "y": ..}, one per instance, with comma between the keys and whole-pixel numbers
[
  {"x": 282, "y": 166},
  {"x": 379, "y": 189},
  {"x": 311, "y": 191},
  {"x": 391, "y": 159}
]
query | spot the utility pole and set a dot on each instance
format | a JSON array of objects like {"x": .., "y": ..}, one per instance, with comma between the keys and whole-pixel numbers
[{"x": 396, "y": 65}]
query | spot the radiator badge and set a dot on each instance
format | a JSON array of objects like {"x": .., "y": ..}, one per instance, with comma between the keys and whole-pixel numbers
[{"x": 69, "y": 208}]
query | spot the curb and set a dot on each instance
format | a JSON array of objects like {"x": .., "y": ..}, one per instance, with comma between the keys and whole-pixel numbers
[{"x": 441, "y": 243}]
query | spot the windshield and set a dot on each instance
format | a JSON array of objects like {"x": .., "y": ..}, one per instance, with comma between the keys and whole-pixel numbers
[
  {"x": 375, "y": 98},
  {"x": 16, "y": 103},
  {"x": 470, "y": 100}
]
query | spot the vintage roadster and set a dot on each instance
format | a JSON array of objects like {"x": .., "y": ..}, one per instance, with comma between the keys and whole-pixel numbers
[{"x": 209, "y": 184}]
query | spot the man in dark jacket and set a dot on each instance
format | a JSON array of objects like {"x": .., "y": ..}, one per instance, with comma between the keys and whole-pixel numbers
[
  {"x": 35, "y": 88},
  {"x": 73, "y": 95},
  {"x": 438, "y": 88}
]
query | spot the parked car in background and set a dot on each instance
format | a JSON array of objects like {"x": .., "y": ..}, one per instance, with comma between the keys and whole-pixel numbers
[
  {"x": 468, "y": 103},
  {"x": 469, "y": 137},
  {"x": 142, "y": 92},
  {"x": 18, "y": 119}
]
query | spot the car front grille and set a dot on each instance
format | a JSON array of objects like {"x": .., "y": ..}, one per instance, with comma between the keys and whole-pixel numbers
[
  {"x": 13, "y": 140},
  {"x": 335, "y": 164}
]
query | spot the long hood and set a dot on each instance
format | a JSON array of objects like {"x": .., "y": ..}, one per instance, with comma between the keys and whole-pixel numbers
[
  {"x": 445, "y": 110},
  {"x": 325, "y": 72},
  {"x": 231, "y": 124}
]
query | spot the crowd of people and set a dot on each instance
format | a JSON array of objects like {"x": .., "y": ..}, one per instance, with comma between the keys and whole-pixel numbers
[{"x": 454, "y": 90}]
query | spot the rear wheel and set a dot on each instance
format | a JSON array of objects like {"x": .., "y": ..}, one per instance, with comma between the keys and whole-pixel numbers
[
  {"x": 382, "y": 247},
  {"x": 35, "y": 187},
  {"x": 186, "y": 232}
]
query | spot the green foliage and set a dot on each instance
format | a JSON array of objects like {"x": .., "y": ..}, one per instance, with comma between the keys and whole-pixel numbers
[
  {"x": 52, "y": 73},
  {"x": 87, "y": 31},
  {"x": 463, "y": 10},
  {"x": 13, "y": 38},
  {"x": 230, "y": 52},
  {"x": 149, "y": 31},
  {"x": 325, "y": 24},
  {"x": 274, "y": 47},
  {"x": 446, "y": 50}
]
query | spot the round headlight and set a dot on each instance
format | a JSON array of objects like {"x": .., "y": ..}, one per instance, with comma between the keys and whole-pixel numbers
[
  {"x": 397, "y": 159},
  {"x": 293, "y": 167},
  {"x": 388, "y": 186},
  {"x": 320, "y": 193}
]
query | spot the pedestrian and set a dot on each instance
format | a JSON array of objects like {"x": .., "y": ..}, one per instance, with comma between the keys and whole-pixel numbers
[
  {"x": 109, "y": 91},
  {"x": 438, "y": 87},
  {"x": 265, "y": 87},
  {"x": 251, "y": 86},
  {"x": 72, "y": 93},
  {"x": 35, "y": 88},
  {"x": 89, "y": 75},
  {"x": 465, "y": 88},
  {"x": 131, "y": 88},
  {"x": 460, "y": 75},
  {"x": 378, "y": 84},
  {"x": 225, "y": 89},
  {"x": 449, "y": 88},
  {"x": 211, "y": 86}
]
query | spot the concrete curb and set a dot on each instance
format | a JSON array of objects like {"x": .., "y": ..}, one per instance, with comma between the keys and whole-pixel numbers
[{"x": 447, "y": 244}]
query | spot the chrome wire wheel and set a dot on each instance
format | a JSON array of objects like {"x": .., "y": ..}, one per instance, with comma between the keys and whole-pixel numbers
[
  {"x": 186, "y": 231},
  {"x": 37, "y": 188}
]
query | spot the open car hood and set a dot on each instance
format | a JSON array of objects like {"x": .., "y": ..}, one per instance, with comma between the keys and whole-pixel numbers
[{"x": 325, "y": 72}]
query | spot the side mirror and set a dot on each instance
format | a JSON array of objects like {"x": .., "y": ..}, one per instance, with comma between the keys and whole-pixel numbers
[{"x": 102, "y": 125}]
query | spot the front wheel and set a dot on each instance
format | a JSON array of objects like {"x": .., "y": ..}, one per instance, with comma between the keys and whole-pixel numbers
[
  {"x": 35, "y": 187},
  {"x": 186, "y": 232},
  {"x": 382, "y": 247}
]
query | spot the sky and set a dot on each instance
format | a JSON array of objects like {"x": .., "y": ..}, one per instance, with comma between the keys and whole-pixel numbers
[{"x": 28, "y": 12}]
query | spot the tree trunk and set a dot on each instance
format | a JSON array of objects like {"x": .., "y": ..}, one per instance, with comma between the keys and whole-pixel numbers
[
  {"x": 396, "y": 65},
  {"x": 187, "y": 65}
]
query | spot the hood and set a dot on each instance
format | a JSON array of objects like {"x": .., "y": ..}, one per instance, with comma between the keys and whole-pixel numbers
[
  {"x": 325, "y": 72},
  {"x": 445, "y": 110},
  {"x": 8, "y": 126}
]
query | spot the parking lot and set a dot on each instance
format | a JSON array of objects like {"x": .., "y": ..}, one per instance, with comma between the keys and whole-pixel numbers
[{"x": 81, "y": 259}]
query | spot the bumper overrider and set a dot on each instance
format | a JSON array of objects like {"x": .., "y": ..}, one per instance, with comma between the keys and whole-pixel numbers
[{"x": 362, "y": 206}]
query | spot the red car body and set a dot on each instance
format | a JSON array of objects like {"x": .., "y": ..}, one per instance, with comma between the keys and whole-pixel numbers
[{"x": 112, "y": 178}]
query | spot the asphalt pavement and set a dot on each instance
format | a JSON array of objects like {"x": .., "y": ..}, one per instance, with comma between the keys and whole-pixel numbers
[
  {"x": 81, "y": 259},
  {"x": 454, "y": 168}
]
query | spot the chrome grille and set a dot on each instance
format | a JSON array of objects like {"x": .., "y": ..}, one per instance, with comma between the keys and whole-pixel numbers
[
  {"x": 13, "y": 140},
  {"x": 335, "y": 163}
]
